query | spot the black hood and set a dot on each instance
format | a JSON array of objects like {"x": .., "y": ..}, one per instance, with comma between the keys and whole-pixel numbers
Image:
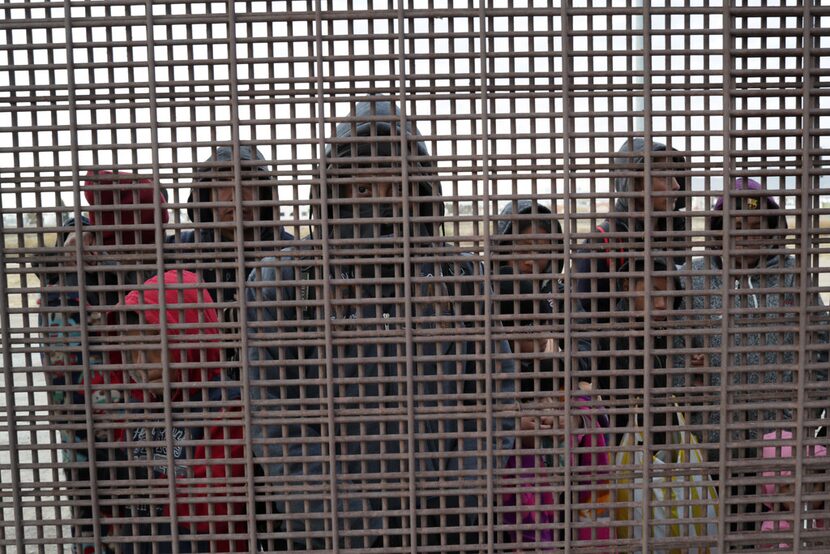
[
  {"x": 373, "y": 130},
  {"x": 201, "y": 194},
  {"x": 543, "y": 216},
  {"x": 631, "y": 157}
]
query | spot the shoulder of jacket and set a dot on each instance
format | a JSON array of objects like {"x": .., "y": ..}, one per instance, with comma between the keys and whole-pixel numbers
[{"x": 273, "y": 270}]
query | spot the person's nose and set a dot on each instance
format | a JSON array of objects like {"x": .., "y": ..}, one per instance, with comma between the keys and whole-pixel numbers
[
  {"x": 659, "y": 303},
  {"x": 675, "y": 184},
  {"x": 527, "y": 266},
  {"x": 385, "y": 190}
]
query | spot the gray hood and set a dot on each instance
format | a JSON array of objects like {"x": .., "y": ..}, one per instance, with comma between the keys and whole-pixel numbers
[
  {"x": 636, "y": 162},
  {"x": 225, "y": 154},
  {"x": 625, "y": 160},
  {"x": 373, "y": 130}
]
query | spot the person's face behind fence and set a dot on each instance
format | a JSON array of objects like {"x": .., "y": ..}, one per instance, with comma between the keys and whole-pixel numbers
[
  {"x": 224, "y": 191},
  {"x": 365, "y": 203},
  {"x": 660, "y": 302},
  {"x": 145, "y": 363},
  {"x": 746, "y": 240},
  {"x": 662, "y": 197},
  {"x": 532, "y": 254}
]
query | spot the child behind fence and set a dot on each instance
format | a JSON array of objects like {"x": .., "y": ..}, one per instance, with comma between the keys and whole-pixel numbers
[
  {"x": 534, "y": 503},
  {"x": 207, "y": 441},
  {"x": 777, "y": 487}
]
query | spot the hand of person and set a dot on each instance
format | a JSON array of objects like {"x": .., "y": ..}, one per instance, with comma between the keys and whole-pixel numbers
[
  {"x": 72, "y": 238},
  {"x": 544, "y": 423}
]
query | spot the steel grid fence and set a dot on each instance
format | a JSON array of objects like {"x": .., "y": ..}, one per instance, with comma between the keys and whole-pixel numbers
[{"x": 414, "y": 276}]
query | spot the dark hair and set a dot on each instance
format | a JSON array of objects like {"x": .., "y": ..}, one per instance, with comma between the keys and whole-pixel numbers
[{"x": 132, "y": 318}]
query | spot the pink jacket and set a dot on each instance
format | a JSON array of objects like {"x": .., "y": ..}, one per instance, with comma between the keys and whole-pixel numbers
[{"x": 774, "y": 452}]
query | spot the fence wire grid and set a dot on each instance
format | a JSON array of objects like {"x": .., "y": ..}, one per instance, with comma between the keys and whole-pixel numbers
[{"x": 414, "y": 276}]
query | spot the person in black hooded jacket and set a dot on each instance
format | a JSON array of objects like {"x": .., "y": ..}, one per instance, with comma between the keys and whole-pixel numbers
[
  {"x": 368, "y": 363},
  {"x": 528, "y": 242},
  {"x": 624, "y": 228},
  {"x": 614, "y": 357},
  {"x": 211, "y": 210},
  {"x": 527, "y": 264},
  {"x": 210, "y": 249}
]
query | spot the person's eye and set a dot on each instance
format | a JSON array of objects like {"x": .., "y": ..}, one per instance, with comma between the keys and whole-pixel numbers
[{"x": 363, "y": 189}]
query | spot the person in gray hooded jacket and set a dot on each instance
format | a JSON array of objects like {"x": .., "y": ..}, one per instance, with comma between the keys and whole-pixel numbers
[
  {"x": 370, "y": 359},
  {"x": 762, "y": 284},
  {"x": 526, "y": 269},
  {"x": 764, "y": 291}
]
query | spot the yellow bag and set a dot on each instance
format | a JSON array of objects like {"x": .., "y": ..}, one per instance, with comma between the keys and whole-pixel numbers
[{"x": 689, "y": 520}]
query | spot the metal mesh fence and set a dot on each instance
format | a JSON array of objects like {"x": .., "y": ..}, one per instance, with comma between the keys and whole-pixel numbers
[{"x": 432, "y": 276}]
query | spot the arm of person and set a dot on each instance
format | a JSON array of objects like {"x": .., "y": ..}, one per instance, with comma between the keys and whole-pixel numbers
[
  {"x": 288, "y": 443},
  {"x": 549, "y": 417},
  {"x": 504, "y": 425},
  {"x": 822, "y": 356}
]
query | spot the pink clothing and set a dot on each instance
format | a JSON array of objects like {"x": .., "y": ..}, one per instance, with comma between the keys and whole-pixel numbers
[
  {"x": 539, "y": 507},
  {"x": 774, "y": 452}
]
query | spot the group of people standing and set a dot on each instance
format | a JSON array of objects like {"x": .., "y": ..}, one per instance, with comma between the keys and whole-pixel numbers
[{"x": 400, "y": 390}]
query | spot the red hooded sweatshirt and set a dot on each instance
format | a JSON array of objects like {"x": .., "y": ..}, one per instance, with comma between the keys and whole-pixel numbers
[
  {"x": 122, "y": 199},
  {"x": 191, "y": 330}
]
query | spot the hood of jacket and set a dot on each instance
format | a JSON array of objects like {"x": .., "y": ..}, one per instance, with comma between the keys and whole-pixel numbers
[
  {"x": 512, "y": 213},
  {"x": 774, "y": 221},
  {"x": 123, "y": 199},
  {"x": 374, "y": 130},
  {"x": 192, "y": 323},
  {"x": 631, "y": 157},
  {"x": 201, "y": 194}
]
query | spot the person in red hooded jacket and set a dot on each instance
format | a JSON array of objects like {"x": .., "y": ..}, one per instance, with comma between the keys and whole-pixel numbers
[
  {"x": 207, "y": 446},
  {"x": 119, "y": 220},
  {"x": 133, "y": 222}
]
